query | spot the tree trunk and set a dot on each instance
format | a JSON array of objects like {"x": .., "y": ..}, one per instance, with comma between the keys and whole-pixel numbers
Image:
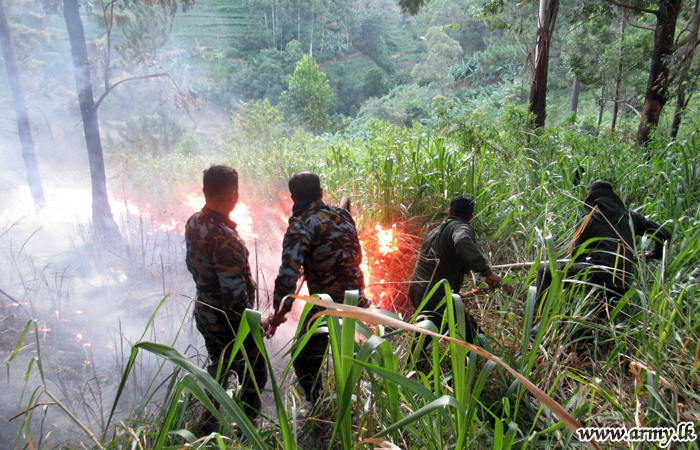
[
  {"x": 101, "y": 212},
  {"x": 601, "y": 107},
  {"x": 164, "y": 127},
  {"x": 311, "y": 40},
  {"x": 274, "y": 29},
  {"x": 575, "y": 91},
  {"x": 683, "y": 96},
  {"x": 23, "y": 126},
  {"x": 618, "y": 79},
  {"x": 538, "y": 88},
  {"x": 657, "y": 86}
]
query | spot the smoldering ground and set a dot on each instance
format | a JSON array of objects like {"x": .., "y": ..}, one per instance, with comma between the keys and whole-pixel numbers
[
  {"x": 87, "y": 303},
  {"x": 84, "y": 303}
]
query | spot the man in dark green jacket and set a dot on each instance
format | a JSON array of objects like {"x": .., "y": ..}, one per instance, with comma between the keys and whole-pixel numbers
[
  {"x": 449, "y": 252},
  {"x": 609, "y": 259}
]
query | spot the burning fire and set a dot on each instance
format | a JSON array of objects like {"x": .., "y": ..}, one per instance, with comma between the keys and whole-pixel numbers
[
  {"x": 379, "y": 245},
  {"x": 191, "y": 200},
  {"x": 386, "y": 239}
]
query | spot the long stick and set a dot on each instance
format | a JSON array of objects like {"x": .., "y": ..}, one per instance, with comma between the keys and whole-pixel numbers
[
  {"x": 29, "y": 409},
  {"x": 525, "y": 265}
]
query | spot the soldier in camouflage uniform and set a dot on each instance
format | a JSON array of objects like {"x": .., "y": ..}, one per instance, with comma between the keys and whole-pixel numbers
[
  {"x": 323, "y": 240},
  {"x": 218, "y": 260}
]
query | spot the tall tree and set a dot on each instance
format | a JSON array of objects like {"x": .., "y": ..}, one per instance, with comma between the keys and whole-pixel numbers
[
  {"x": 23, "y": 125},
  {"x": 547, "y": 18},
  {"x": 575, "y": 92},
  {"x": 101, "y": 211},
  {"x": 687, "y": 81},
  {"x": 618, "y": 77},
  {"x": 442, "y": 53},
  {"x": 656, "y": 94},
  {"x": 310, "y": 97}
]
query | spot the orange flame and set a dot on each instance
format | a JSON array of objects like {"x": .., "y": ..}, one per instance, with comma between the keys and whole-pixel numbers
[
  {"x": 386, "y": 239},
  {"x": 280, "y": 214},
  {"x": 377, "y": 244},
  {"x": 191, "y": 200},
  {"x": 41, "y": 330}
]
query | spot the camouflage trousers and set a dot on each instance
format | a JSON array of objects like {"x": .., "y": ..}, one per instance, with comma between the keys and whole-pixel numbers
[
  {"x": 219, "y": 332},
  {"x": 307, "y": 365}
]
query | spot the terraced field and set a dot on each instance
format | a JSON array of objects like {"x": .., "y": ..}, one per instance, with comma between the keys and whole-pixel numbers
[{"x": 216, "y": 24}]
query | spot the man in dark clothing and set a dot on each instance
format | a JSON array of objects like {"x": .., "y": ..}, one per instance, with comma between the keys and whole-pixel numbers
[
  {"x": 609, "y": 260},
  {"x": 449, "y": 252},
  {"x": 323, "y": 240},
  {"x": 218, "y": 260}
]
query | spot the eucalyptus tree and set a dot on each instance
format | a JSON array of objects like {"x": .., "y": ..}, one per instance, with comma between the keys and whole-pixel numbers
[
  {"x": 23, "y": 125},
  {"x": 546, "y": 20},
  {"x": 102, "y": 218},
  {"x": 657, "y": 90},
  {"x": 686, "y": 73}
]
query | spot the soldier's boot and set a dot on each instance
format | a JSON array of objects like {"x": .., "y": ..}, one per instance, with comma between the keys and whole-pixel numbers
[
  {"x": 250, "y": 397},
  {"x": 208, "y": 422}
]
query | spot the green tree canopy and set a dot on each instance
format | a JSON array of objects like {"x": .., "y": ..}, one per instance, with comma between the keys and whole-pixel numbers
[
  {"x": 443, "y": 53},
  {"x": 374, "y": 83},
  {"x": 310, "y": 98}
]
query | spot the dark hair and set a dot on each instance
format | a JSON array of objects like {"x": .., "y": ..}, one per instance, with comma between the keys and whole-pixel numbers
[
  {"x": 600, "y": 184},
  {"x": 219, "y": 181},
  {"x": 462, "y": 207},
  {"x": 305, "y": 186}
]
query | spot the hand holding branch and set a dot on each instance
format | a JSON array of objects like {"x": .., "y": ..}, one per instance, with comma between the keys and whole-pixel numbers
[{"x": 271, "y": 322}]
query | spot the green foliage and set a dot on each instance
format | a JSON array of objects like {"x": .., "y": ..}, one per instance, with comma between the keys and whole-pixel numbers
[
  {"x": 598, "y": 51},
  {"x": 499, "y": 61},
  {"x": 155, "y": 134},
  {"x": 372, "y": 39},
  {"x": 265, "y": 77},
  {"x": 256, "y": 125},
  {"x": 374, "y": 83},
  {"x": 346, "y": 77},
  {"x": 442, "y": 53},
  {"x": 147, "y": 29},
  {"x": 309, "y": 99},
  {"x": 402, "y": 106}
]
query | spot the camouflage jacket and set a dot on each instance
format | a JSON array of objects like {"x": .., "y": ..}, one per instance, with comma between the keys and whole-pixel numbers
[
  {"x": 218, "y": 260},
  {"x": 323, "y": 240}
]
